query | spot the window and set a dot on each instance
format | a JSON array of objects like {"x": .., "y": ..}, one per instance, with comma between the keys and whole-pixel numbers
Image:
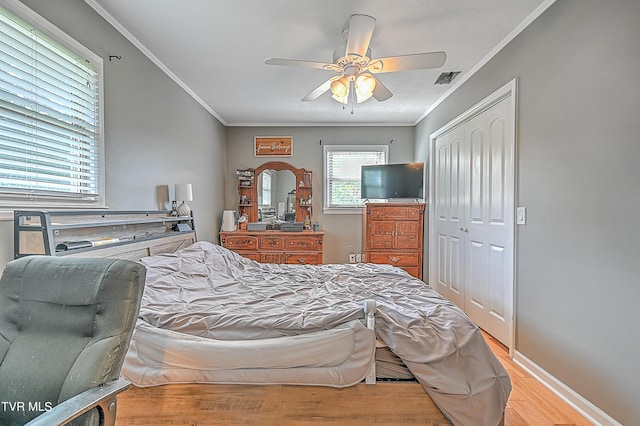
[
  {"x": 342, "y": 174},
  {"x": 50, "y": 115},
  {"x": 266, "y": 188}
]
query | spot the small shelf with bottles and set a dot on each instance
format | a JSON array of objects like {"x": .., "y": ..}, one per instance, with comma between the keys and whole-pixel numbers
[
  {"x": 304, "y": 200},
  {"x": 246, "y": 193}
]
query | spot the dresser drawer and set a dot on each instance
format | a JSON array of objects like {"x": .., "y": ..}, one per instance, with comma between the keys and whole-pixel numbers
[
  {"x": 303, "y": 258},
  {"x": 395, "y": 259},
  {"x": 271, "y": 243},
  {"x": 410, "y": 262},
  {"x": 241, "y": 242},
  {"x": 266, "y": 257},
  {"x": 396, "y": 213},
  {"x": 303, "y": 243}
]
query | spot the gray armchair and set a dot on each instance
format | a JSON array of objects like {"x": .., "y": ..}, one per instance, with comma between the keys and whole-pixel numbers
[{"x": 65, "y": 326}]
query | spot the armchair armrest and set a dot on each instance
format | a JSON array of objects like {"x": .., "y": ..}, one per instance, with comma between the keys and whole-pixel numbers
[{"x": 101, "y": 397}]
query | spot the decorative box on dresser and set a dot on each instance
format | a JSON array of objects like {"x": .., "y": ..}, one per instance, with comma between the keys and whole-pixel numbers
[
  {"x": 304, "y": 247},
  {"x": 393, "y": 234}
]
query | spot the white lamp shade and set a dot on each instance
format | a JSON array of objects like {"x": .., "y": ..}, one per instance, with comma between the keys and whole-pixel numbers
[
  {"x": 183, "y": 192},
  {"x": 229, "y": 220}
]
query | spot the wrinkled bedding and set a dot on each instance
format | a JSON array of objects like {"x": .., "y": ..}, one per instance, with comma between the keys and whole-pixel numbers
[{"x": 209, "y": 292}]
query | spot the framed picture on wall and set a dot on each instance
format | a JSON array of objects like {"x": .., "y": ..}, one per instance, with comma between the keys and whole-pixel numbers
[{"x": 273, "y": 146}]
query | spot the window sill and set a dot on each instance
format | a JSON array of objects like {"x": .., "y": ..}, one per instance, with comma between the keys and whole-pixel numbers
[{"x": 344, "y": 210}]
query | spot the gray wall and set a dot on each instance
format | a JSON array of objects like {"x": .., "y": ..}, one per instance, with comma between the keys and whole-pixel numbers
[
  {"x": 155, "y": 134},
  {"x": 577, "y": 256},
  {"x": 341, "y": 230}
]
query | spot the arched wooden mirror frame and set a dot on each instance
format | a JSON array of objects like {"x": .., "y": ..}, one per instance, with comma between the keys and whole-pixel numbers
[{"x": 303, "y": 188}]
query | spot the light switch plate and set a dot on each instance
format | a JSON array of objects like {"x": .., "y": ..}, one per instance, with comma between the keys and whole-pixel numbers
[{"x": 521, "y": 215}]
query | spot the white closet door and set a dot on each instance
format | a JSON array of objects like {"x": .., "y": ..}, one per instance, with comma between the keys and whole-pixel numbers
[
  {"x": 449, "y": 216},
  {"x": 472, "y": 254},
  {"x": 489, "y": 215}
]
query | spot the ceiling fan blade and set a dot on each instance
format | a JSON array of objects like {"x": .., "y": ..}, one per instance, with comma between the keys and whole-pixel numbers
[
  {"x": 416, "y": 61},
  {"x": 295, "y": 63},
  {"x": 380, "y": 92},
  {"x": 315, "y": 93},
  {"x": 360, "y": 32}
]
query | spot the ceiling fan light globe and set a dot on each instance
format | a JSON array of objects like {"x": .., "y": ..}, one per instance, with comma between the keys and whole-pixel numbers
[
  {"x": 340, "y": 87},
  {"x": 365, "y": 85}
]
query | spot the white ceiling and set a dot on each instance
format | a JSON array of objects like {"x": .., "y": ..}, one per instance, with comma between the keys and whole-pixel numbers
[{"x": 215, "y": 49}]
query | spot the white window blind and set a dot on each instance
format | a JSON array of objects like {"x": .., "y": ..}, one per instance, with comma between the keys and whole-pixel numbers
[
  {"x": 49, "y": 117},
  {"x": 266, "y": 188},
  {"x": 342, "y": 172}
]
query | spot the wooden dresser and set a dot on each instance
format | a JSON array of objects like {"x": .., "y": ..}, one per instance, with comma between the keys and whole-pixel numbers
[
  {"x": 393, "y": 234},
  {"x": 303, "y": 247}
]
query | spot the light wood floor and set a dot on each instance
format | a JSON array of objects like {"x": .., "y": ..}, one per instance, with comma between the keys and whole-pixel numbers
[
  {"x": 387, "y": 403},
  {"x": 530, "y": 403}
]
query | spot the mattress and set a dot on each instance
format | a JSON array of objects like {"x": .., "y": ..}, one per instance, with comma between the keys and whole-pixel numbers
[
  {"x": 216, "y": 297},
  {"x": 338, "y": 357}
]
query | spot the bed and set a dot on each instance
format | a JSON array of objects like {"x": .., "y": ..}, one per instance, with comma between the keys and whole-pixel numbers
[{"x": 209, "y": 315}]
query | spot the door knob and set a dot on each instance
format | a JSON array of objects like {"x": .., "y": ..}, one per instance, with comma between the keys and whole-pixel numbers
[{"x": 463, "y": 229}]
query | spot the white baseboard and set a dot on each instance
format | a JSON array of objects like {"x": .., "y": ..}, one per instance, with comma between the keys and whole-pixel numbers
[{"x": 592, "y": 413}]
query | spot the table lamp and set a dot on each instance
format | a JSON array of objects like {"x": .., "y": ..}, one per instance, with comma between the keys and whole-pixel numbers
[{"x": 183, "y": 192}]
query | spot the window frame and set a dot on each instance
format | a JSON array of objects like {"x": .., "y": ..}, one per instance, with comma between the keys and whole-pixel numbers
[
  {"x": 18, "y": 200},
  {"x": 356, "y": 209}
]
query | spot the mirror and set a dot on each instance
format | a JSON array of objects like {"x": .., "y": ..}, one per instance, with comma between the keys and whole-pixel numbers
[
  {"x": 276, "y": 195},
  {"x": 283, "y": 180}
]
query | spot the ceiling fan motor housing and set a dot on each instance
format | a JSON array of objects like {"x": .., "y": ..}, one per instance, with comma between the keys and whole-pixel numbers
[{"x": 341, "y": 60}]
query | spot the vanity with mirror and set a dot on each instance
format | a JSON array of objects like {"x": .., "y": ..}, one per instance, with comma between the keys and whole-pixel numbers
[{"x": 276, "y": 202}]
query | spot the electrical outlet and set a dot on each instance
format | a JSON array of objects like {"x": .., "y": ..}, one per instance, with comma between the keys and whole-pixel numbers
[
  {"x": 352, "y": 258},
  {"x": 358, "y": 257}
]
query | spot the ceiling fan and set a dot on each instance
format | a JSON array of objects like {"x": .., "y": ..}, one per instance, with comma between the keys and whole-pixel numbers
[{"x": 355, "y": 82}]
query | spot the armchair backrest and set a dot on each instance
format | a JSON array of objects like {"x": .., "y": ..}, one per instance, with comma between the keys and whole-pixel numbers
[{"x": 65, "y": 326}]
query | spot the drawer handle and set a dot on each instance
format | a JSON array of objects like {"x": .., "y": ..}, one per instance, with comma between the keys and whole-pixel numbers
[
  {"x": 394, "y": 259},
  {"x": 301, "y": 260}
]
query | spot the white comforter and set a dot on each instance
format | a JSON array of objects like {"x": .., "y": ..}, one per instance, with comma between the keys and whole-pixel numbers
[{"x": 208, "y": 291}]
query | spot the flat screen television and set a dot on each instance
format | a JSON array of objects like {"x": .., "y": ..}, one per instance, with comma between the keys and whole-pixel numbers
[{"x": 388, "y": 181}]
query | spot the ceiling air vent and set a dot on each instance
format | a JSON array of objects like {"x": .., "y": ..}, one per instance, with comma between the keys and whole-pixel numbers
[{"x": 447, "y": 77}]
